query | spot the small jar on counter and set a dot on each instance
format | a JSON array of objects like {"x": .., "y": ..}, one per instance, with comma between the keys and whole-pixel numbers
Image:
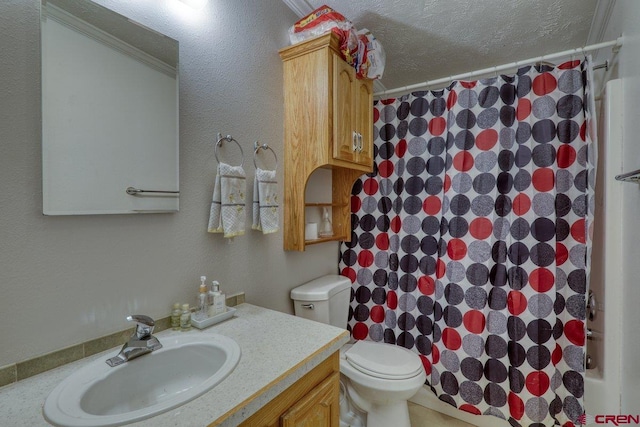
[
  {"x": 175, "y": 317},
  {"x": 185, "y": 318}
]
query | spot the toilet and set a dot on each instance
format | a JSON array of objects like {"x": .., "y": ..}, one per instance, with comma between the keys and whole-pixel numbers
[{"x": 376, "y": 379}]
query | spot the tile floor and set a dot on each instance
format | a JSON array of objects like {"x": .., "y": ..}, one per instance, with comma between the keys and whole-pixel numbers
[{"x": 424, "y": 417}]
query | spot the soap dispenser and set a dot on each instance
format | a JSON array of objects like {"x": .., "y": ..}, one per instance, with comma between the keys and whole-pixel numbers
[{"x": 203, "y": 302}]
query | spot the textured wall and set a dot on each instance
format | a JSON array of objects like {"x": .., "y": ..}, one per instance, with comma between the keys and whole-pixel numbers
[{"x": 64, "y": 280}]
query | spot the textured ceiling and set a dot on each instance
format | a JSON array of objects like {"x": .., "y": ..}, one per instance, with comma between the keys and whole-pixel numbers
[{"x": 430, "y": 39}]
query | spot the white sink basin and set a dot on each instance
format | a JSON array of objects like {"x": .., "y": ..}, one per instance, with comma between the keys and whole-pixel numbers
[{"x": 184, "y": 368}]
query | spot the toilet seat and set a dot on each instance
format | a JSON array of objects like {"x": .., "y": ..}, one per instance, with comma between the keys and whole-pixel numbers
[{"x": 384, "y": 361}]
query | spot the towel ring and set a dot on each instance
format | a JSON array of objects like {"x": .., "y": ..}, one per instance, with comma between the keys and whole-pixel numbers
[
  {"x": 228, "y": 138},
  {"x": 263, "y": 147}
]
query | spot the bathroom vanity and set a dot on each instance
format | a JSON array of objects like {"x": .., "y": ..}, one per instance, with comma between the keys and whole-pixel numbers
[{"x": 288, "y": 372}]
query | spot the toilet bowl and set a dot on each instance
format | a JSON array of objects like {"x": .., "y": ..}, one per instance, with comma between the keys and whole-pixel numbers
[
  {"x": 350, "y": 415},
  {"x": 380, "y": 378},
  {"x": 377, "y": 378}
]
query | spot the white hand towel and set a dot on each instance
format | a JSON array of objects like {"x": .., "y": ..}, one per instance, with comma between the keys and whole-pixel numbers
[
  {"x": 228, "y": 206},
  {"x": 265, "y": 201}
]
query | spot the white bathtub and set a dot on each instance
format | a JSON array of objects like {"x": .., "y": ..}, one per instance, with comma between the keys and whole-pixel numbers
[{"x": 603, "y": 383}]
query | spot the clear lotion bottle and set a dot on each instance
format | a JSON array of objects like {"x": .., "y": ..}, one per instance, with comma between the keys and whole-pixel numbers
[
  {"x": 218, "y": 303},
  {"x": 326, "y": 229}
]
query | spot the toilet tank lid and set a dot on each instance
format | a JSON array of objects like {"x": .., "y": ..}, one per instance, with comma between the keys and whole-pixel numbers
[{"x": 321, "y": 288}]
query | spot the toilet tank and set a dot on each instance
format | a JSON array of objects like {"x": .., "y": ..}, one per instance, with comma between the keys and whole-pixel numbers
[{"x": 325, "y": 299}]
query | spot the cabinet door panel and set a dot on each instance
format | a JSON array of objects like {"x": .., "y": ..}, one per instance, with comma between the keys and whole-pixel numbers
[
  {"x": 344, "y": 109},
  {"x": 364, "y": 121},
  {"x": 319, "y": 408}
]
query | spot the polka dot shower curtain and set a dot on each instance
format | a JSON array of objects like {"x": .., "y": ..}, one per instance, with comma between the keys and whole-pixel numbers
[{"x": 471, "y": 240}]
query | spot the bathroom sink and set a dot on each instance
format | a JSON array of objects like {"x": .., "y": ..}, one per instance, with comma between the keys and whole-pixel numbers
[{"x": 184, "y": 368}]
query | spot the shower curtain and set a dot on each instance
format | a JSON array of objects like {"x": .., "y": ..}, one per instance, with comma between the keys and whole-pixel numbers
[{"x": 471, "y": 240}]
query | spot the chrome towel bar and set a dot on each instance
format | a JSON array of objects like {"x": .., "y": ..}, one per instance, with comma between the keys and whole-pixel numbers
[
  {"x": 138, "y": 192},
  {"x": 629, "y": 177}
]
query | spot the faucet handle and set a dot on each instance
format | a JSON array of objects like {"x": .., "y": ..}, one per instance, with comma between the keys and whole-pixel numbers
[{"x": 144, "y": 325}]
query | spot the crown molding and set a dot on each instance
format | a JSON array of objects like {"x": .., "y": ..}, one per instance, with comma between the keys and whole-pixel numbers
[
  {"x": 299, "y": 7},
  {"x": 600, "y": 21},
  {"x": 378, "y": 86}
]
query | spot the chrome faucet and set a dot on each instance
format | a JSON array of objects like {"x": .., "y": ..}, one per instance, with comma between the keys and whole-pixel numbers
[{"x": 140, "y": 343}]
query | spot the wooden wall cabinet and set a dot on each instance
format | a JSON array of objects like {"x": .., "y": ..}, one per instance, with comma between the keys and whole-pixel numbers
[
  {"x": 328, "y": 123},
  {"x": 312, "y": 401}
]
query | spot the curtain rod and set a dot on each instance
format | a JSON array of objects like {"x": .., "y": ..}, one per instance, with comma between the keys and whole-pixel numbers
[{"x": 616, "y": 44}]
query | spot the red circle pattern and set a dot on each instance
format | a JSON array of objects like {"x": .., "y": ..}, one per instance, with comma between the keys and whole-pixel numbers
[{"x": 469, "y": 240}]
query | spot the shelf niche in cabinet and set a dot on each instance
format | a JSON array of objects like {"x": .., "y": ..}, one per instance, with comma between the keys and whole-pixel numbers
[
  {"x": 328, "y": 124},
  {"x": 316, "y": 191}
]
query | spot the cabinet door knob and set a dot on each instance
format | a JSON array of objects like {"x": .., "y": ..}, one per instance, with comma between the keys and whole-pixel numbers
[
  {"x": 360, "y": 146},
  {"x": 354, "y": 140}
]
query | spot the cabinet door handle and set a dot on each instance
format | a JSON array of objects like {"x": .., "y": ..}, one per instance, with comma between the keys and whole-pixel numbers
[
  {"x": 360, "y": 146},
  {"x": 354, "y": 140}
]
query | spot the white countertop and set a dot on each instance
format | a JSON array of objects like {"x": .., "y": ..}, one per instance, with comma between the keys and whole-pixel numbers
[{"x": 277, "y": 349}]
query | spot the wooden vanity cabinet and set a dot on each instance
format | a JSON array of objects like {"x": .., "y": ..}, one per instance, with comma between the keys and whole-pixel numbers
[
  {"x": 312, "y": 401},
  {"x": 318, "y": 408},
  {"x": 328, "y": 123}
]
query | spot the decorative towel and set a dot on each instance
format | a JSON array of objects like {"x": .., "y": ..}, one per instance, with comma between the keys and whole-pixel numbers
[
  {"x": 228, "y": 206},
  {"x": 265, "y": 201}
]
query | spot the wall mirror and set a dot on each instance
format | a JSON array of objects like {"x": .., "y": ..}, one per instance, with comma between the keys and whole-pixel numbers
[{"x": 109, "y": 113}]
